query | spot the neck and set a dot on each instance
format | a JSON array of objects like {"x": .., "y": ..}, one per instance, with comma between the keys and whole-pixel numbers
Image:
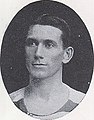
[{"x": 45, "y": 87}]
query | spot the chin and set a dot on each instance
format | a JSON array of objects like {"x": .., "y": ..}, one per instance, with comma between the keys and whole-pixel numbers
[{"x": 39, "y": 75}]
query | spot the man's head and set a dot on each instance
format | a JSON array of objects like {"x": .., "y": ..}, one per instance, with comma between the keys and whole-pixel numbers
[{"x": 47, "y": 46}]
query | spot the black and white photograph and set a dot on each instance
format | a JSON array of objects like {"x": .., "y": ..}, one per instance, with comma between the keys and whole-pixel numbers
[{"x": 46, "y": 61}]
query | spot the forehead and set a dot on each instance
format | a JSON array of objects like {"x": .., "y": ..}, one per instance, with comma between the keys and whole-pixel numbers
[{"x": 44, "y": 32}]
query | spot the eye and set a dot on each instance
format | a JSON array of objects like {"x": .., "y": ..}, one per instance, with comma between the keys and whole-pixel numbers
[
  {"x": 31, "y": 42},
  {"x": 49, "y": 44}
]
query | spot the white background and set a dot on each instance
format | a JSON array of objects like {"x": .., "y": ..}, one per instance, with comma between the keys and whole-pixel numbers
[{"x": 85, "y": 9}]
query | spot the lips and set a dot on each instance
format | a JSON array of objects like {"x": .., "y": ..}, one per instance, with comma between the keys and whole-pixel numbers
[{"x": 39, "y": 65}]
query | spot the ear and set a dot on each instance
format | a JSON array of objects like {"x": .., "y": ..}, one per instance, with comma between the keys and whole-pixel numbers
[{"x": 68, "y": 54}]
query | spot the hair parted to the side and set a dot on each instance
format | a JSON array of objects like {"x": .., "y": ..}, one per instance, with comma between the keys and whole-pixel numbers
[{"x": 57, "y": 22}]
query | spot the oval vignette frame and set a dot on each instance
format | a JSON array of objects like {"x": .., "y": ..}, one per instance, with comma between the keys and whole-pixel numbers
[{"x": 82, "y": 85}]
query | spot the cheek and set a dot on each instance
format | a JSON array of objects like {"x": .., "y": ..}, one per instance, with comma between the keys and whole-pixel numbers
[
  {"x": 57, "y": 59},
  {"x": 29, "y": 53}
]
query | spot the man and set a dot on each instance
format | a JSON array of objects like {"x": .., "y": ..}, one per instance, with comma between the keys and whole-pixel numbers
[{"x": 47, "y": 49}]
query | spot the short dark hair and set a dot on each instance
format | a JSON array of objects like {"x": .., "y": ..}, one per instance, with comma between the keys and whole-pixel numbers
[{"x": 57, "y": 22}]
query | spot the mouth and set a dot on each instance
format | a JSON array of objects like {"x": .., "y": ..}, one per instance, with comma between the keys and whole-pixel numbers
[{"x": 40, "y": 65}]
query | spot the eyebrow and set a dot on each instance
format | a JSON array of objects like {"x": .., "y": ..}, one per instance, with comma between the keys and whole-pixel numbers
[
  {"x": 51, "y": 41},
  {"x": 29, "y": 38}
]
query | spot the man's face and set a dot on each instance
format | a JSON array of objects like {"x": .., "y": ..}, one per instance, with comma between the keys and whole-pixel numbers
[{"x": 44, "y": 51}]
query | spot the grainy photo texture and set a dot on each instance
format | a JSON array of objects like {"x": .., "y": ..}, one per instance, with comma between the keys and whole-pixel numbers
[{"x": 46, "y": 59}]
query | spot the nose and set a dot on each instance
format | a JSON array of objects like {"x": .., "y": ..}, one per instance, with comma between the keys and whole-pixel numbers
[{"x": 39, "y": 52}]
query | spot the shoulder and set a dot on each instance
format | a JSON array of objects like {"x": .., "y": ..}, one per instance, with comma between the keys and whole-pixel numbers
[
  {"x": 17, "y": 95},
  {"x": 75, "y": 96}
]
